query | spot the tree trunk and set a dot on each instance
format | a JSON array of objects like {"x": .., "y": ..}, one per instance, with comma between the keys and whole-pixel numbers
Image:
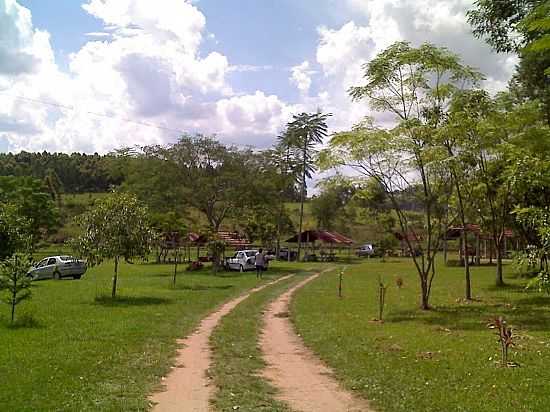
[
  {"x": 175, "y": 270},
  {"x": 466, "y": 264},
  {"x": 302, "y": 198},
  {"x": 13, "y": 299},
  {"x": 113, "y": 293},
  {"x": 425, "y": 295},
  {"x": 499, "y": 278}
]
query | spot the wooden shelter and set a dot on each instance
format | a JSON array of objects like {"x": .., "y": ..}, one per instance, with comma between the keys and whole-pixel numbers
[
  {"x": 484, "y": 244},
  {"x": 325, "y": 237}
]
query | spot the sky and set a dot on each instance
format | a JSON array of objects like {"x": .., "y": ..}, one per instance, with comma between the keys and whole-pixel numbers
[{"x": 96, "y": 75}]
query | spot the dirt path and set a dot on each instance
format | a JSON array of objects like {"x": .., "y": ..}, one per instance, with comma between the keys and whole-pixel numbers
[
  {"x": 303, "y": 381},
  {"x": 187, "y": 388}
]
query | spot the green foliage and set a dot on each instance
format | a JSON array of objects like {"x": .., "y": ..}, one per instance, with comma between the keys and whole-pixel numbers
[
  {"x": 32, "y": 202},
  {"x": 14, "y": 283},
  {"x": 537, "y": 256},
  {"x": 14, "y": 232},
  {"x": 118, "y": 226},
  {"x": 74, "y": 173},
  {"x": 500, "y": 21},
  {"x": 216, "y": 247},
  {"x": 336, "y": 192},
  {"x": 416, "y": 85}
]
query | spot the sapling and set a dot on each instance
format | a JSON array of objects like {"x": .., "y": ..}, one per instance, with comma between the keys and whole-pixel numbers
[
  {"x": 399, "y": 282},
  {"x": 382, "y": 288},
  {"x": 340, "y": 280},
  {"x": 504, "y": 333},
  {"x": 14, "y": 282}
]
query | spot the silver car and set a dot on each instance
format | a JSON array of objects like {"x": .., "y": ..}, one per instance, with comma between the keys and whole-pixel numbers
[
  {"x": 57, "y": 267},
  {"x": 242, "y": 260}
]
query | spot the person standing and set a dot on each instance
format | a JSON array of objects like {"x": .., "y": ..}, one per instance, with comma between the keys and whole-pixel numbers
[{"x": 260, "y": 263}]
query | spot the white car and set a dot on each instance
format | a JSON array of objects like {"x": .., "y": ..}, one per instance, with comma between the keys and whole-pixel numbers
[
  {"x": 242, "y": 260},
  {"x": 57, "y": 267}
]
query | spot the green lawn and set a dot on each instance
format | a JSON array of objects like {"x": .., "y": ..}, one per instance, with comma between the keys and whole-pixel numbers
[
  {"x": 441, "y": 360},
  {"x": 75, "y": 350}
]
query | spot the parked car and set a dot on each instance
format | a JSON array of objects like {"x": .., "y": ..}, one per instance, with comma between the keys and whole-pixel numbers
[
  {"x": 243, "y": 260},
  {"x": 283, "y": 254},
  {"x": 367, "y": 250},
  {"x": 57, "y": 267}
]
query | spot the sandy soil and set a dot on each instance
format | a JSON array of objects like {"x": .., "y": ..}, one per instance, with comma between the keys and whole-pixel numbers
[
  {"x": 187, "y": 387},
  {"x": 303, "y": 381}
]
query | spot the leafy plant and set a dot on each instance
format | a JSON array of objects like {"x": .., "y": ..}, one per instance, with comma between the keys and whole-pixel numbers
[
  {"x": 14, "y": 282},
  {"x": 117, "y": 227},
  {"x": 399, "y": 282},
  {"x": 505, "y": 338}
]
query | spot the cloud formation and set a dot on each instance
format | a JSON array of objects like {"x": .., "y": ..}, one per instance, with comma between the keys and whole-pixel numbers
[{"x": 146, "y": 68}]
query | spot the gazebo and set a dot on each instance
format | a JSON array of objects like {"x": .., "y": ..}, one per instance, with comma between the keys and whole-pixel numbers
[
  {"x": 477, "y": 252},
  {"x": 330, "y": 238}
]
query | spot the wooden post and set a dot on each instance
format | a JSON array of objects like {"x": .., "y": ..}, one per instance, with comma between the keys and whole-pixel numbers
[
  {"x": 478, "y": 250},
  {"x": 445, "y": 247}
]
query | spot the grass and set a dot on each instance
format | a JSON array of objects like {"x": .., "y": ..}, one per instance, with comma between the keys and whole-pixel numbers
[
  {"x": 441, "y": 360},
  {"x": 237, "y": 358},
  {"x": 74, "y": 348}
]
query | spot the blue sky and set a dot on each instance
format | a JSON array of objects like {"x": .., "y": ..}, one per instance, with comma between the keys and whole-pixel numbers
[{"x": 237, "y": 69}]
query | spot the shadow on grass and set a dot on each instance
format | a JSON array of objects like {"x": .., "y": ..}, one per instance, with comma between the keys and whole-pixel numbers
[
  {"x": 121, "y": 301},
  {"x": 25, "y": 321},
  {"x": 532, "y": 313},
  {"x": 197, "y": 288}
]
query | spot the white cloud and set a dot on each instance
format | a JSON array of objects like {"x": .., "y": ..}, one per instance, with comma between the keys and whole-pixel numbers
[
  {"x": 342, "y": 52},
  {"x": 146, "y": 70},
  {"x": 301, "y": 77},
  {"x": 146, "y": 66}
]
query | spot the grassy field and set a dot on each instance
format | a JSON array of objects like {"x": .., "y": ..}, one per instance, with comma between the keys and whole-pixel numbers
[
  {"x": 75, "y": 350},
  {"x": 237, "y": 358},
  {"x": 442, "y": 360}
]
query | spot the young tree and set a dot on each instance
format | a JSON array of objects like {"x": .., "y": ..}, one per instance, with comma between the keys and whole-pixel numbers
[
  {"x": 117, "y": 227},
  {"x": 304, "y": 133},
  {"x": 416, "y": 85},
  {"x": 14, "y": 282},
  {"x": 14, "y": 232}
]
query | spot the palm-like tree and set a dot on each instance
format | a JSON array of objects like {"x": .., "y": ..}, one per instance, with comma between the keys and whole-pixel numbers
[{"x": 304, "y": 133}]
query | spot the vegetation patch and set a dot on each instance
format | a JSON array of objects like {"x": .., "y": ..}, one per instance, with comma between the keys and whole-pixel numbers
[
  {"x": 73, "y": 347},
  {"x": 446, "y": 359}
]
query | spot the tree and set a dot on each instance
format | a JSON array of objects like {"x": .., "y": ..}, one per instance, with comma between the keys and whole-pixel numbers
[
  {"x": 14, "y": 282},
  {"x": 330, "y": 203},
  {"x": 14, "y": 232},
  {"x": 500, "y": 22},
  {"x": 31, "y": 201},
  {"x": 216, "y": 178},
  {"x": 416, "y": 85},
  {"x": 523, "y": 27},
  {"x": 304, "y": 133},
  {"x": 117, "y": 227},
  {"x": 496, "y": 136}
]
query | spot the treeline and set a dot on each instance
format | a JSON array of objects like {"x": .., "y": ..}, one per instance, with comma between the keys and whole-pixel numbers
[{"x": 74, "y": 173}]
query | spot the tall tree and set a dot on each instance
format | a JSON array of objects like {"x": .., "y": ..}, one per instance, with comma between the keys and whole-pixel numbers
[
  {"x": 522, "y": 27},
  {"x": 305, "y": 132},
  {"x": 416, "y": 85},
  {"x": 216, "y": 179},
  {"x": 117, "y": 227}
]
